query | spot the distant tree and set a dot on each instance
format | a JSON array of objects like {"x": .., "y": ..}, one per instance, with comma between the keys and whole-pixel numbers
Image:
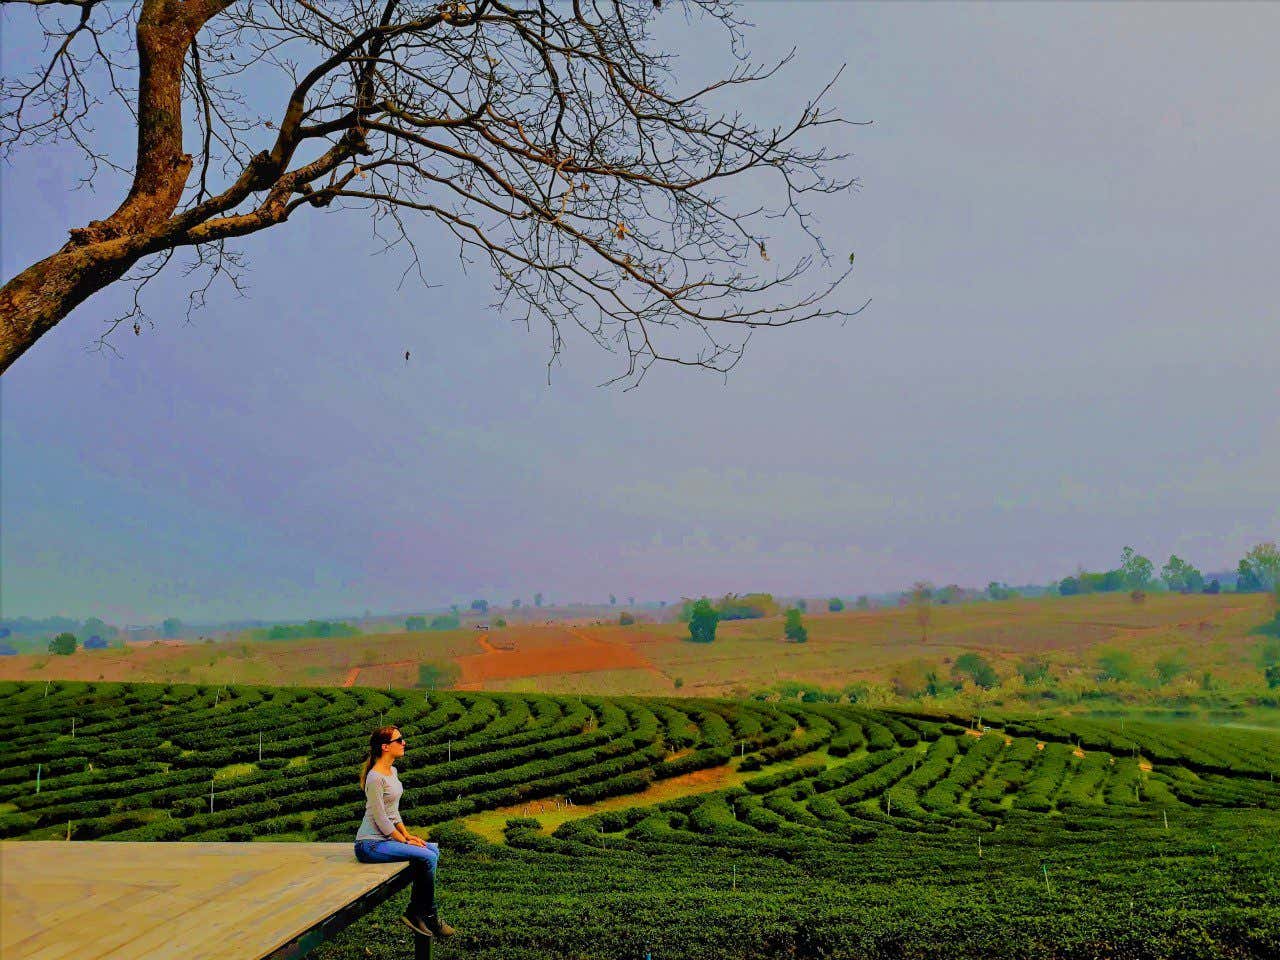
[
  {"x": 613, "y": 601},
  {"x": 951, "y": 593},
  {"x": 1206, "y": 681},
  {"x": 1169, "y": 667},
  {"x": 1213, "y": 587},
  {"x": 1034, "y": 670},
  {"x": 63, "y": 644},
  {"x": 835, "y": 604},
  {"x": 1180, "y": 576},
  {"x": 626, "y": 619},
  {"x": 1069, "y": 586},
  {"x": 1246, "y": 579},
  {"x": 631, "y": 601},
  {"x": 855, "y": 692},
  {"x": 500, "y": 623},
  {"x": 1259, "y": 571},
  {"x": 751, "y": 606},
  {"x": 44, "y": 626},
  {"x": 415, "y": 623},
  {"x": 975, "y": 667},
  {"x": 480, "y": 606},
  {"x": 515, "y": 604},
  {"x": 999, "y": 591},
  {"x": 1115, "y": 665},
  {"x": 97, "y": 643},
  {"x": 662, "y": 604},
  {"x": 537, "y": 600},
  {"x": 1269, "y": 657},
  {"x": 921, "y": 600},
  {"x": 802, "y": 605},
  {"x": 916, "y": 678},
  {"x": 312, "y": 628},
  {"x": 100, "y": 627},
  {"x": 702, "y": 621},
  {"x": 1195, "y": 580},
  {"x": 1107, "y": 581},
  {"x": 445, "y": 622},
  {"x": 793, "y": 628},
  {"x": 863, "y": 602},
  {"x": 908, "y": 679},
  {"x": 1138, "y": 596},
  {"x": 933, "y": 685},
  {"x": 1136, "y": 569},
  {"x": 438, "y": 675},
  {"x": 172, "y": 627},
  {"x": 453, "y": 608}
]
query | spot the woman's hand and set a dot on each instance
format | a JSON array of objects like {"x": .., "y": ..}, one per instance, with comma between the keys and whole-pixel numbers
[{"x": 416, "y": 841}]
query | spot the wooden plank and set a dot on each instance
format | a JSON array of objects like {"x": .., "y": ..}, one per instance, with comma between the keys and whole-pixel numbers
[
  {"x": 94, "y": 900},
  {"x": 307, "y": 939},
  {"x": 112, "y": 925}
]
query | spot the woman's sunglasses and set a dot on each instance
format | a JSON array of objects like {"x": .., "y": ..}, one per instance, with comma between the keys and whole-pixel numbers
[{"x": 396, "y": 740}]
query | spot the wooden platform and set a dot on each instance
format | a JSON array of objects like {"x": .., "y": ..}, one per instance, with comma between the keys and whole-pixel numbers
[{"x": 196, "y": 901}]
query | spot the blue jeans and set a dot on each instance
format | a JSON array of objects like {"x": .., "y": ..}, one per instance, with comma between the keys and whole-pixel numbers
[
  {"x": 422, "y": 862},
  {"x": 391, "y": 851}
]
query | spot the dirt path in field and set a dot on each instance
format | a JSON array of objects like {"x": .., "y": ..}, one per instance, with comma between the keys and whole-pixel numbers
[
  {"x": 644, "y": 661},
  {"x": 554, "y": 811},
  {"x": 350, "y": 679}
]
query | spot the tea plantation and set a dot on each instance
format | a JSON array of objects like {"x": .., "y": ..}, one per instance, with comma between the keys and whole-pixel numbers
[{"x": 848, "y": 832}]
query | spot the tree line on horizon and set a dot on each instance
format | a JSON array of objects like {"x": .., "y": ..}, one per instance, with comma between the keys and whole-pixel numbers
[{"x": 1257, "y": 572}]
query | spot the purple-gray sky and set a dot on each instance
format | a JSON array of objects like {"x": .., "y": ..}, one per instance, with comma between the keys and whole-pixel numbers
[{"x": 1069, "y": 224}]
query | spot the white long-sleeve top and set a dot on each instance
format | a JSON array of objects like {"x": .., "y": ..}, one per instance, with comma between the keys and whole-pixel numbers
[{"x": 381, "y": 806}]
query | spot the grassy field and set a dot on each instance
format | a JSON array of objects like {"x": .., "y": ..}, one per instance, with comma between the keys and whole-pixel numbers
[
  {"x": 1209, "y": 634},
  {"x": 328, "y": 662},
  {"x": 1213, "y": 633}
]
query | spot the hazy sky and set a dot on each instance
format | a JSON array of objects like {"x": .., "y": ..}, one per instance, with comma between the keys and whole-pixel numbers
[{"x": 1069, "y": 223}]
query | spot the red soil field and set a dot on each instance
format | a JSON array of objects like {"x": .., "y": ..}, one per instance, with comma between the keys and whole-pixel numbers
[{"x": 575, "y": 652}]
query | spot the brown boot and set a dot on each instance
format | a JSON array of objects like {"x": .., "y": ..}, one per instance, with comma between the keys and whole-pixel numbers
[
  {"x": 416, "y": 923},
  {"x": 438, "y": 926}
]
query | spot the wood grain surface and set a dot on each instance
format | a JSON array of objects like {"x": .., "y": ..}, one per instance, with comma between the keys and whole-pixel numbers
[{"x": 198, "y": 901}]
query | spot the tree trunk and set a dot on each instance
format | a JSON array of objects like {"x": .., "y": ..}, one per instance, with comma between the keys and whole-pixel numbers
[{"x": 33, "y": 302}]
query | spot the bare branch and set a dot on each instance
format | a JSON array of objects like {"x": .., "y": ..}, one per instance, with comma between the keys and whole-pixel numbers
[{"x": 550, "y": 141}]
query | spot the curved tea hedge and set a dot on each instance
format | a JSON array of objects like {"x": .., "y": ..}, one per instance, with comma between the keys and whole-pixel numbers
[{"x": 844, "y": 832}]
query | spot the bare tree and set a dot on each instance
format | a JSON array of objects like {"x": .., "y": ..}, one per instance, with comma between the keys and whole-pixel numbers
[
  {"x": 921, "y": 600},
  {"x": 549, "y": 139}
]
